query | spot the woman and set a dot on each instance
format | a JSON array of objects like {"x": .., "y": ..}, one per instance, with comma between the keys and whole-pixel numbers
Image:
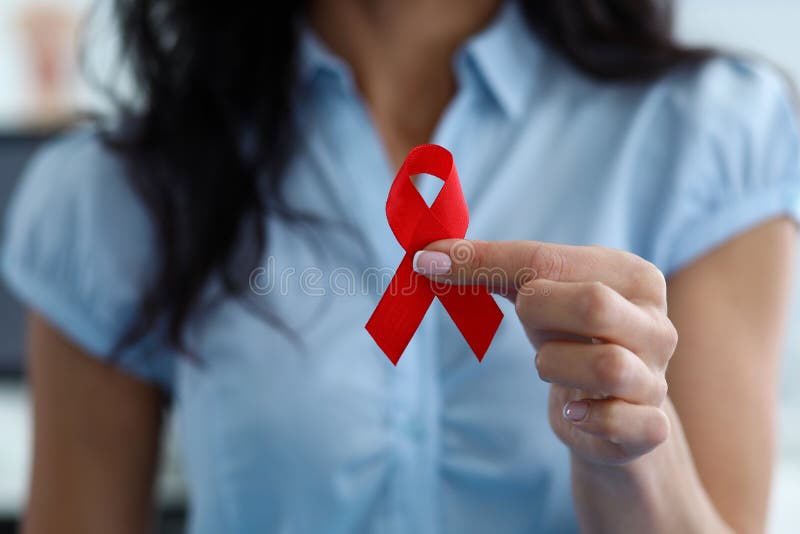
[{"x": 265, "y": 143}]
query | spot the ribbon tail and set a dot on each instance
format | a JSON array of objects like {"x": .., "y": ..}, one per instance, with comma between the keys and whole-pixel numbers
[
  {"x": 475, "y": 313},
  {"x": 400, "y": 310}
]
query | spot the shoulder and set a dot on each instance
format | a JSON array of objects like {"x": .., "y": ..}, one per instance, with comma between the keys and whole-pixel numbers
[
  {"x": 733, "y": 121},
  {"x": 727, "y": 103},
  {"x": 74, "y": 177},
  {"x": 78, "y": 244},
  {"x": 695, "y": 157},
  {"x": 74, "y": 195},
  {"x": 722, "y": 91},
  {"x": 728, "y": 139},
  {"x": 727, "y": 92}
]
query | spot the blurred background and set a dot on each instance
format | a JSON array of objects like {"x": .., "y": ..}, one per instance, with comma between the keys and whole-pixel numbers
[{"x": 43, "y": 92}]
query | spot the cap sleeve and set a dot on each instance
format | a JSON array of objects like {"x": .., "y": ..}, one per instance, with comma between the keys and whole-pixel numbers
[
  {"x": 738, "y": 159},
  {"x": 77, "y": 249}
]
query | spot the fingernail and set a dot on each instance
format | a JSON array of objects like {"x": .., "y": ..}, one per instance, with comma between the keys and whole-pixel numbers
[
  {"x": 430, "y": 262},
  {"x": 576, "y": 410}
]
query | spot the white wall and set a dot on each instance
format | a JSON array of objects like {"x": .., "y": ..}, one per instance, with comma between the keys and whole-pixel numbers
[{"x": 769, "y": 27}]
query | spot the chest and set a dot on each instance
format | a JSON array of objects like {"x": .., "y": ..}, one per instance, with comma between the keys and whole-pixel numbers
[{"x": 294, "y": 396}]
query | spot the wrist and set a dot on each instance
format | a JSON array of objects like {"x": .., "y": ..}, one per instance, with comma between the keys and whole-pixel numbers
[
  {"x": 606, "y": 495},
  {"x": 658, "y": 492}
]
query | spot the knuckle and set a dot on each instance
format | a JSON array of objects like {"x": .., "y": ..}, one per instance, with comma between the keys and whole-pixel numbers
[
  {"x": 670, "y": 337},
  {"x": 661, "y": 389},
  {"x": 595, "y": 306},
  {"x": 658, "y": 429},
  {"x": 610, "y": 368},
  {"x": 609, "y": 424},
  {"x": 649, "y": 281},
  {"x": 543, "y": 366},
  {"x": 665, "y": 339},
  {"x": 664, "y": 335},
  {"x": 546, "y": 261}
]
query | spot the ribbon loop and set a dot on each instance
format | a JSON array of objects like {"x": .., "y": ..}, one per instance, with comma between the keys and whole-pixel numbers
[{"x": 415, "y": 225}]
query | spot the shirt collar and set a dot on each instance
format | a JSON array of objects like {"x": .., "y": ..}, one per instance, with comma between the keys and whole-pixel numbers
[
  {"x": 316, "y": 60},
  {"x": 504, "y": 55}
]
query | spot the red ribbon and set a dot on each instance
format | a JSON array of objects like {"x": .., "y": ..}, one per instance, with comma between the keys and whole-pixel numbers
[{"x": 415, "y": 225}]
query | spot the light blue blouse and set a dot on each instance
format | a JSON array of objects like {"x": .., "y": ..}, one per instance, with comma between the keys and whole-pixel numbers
[{"x": 327, "y": 435}]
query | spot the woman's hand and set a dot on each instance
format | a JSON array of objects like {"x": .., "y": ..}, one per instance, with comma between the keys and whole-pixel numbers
[{"x": 598, "y": 318}]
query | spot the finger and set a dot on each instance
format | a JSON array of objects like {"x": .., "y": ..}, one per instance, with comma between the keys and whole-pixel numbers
[
  {"x": 594, "y": 310},
  {"x": 605, "y": 370},
  {"x": 505, "y": 266},
  {"x": 634, "y": 427}
]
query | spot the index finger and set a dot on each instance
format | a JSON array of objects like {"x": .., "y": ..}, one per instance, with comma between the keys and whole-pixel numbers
[{"x": 506, "y": 266}]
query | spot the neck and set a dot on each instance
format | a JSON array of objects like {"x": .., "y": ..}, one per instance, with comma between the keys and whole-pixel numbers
[{"x": 401, "y": 54}]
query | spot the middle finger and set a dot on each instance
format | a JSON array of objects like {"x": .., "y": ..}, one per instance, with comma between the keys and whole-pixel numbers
[
  {"x": 603, "y": 369},
  {"x": 594, "y": 310}
]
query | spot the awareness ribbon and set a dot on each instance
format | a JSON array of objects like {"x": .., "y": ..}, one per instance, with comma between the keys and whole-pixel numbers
[{"x": 415, "y": 225}]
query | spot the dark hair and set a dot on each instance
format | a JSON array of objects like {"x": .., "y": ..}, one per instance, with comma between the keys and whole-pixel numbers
[{"x": 211, "y": 75}]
